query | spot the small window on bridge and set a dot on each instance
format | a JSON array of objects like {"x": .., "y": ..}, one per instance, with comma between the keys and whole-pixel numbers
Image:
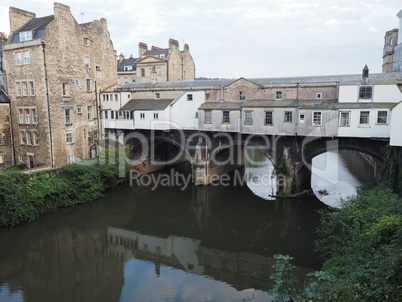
[
  {"x": 366, "y": 92},
  {"x": 248, "y": 120},
  {"x": 288, "y": 117},
  {"x": 344, "y": 119},
  {"x": 382, "y": 117},
  {"x": 302, "y": 119},
  {"x": 226, "y": 116},
  {"x": 268, "y": 118},
  {"x": 317, "y": 116},
  {"x": 364, "y": 117},
  {"x": 207, "y": 118},
  {"x": 189, "y": 97},
  {"x": 142, "y": 115},
  {"x": 278, "y": 95}
]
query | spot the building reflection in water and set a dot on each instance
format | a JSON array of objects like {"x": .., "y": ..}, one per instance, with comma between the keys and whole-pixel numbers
[{"x": 81, "y": 253}]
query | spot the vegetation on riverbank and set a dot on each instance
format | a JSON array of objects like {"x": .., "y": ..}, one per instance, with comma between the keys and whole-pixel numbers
[
  {"x": 24, "y": 197},
  {"x": 362, "y": 246}
]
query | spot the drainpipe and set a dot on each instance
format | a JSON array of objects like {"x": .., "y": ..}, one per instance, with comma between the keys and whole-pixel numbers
[{"x": 48, "y": 105}]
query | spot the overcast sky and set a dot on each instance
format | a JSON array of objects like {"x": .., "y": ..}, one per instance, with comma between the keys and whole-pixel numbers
[{"x": 244, "y": 38}]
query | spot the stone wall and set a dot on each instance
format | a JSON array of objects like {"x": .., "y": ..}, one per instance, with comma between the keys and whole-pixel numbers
[{"x": 6, "y": 154}]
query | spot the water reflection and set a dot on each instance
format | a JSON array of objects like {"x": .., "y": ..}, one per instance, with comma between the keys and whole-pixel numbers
[
  {"x": 339, "y": 174},
  {"x": 162, "y": 245},
  {"x": 259, "y": 174}
]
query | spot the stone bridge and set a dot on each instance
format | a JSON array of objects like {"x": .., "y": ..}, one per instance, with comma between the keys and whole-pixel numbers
[{"x": 214, "y": 154}]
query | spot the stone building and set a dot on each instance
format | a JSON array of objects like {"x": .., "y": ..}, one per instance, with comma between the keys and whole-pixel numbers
[
  {"x": 392, "y": 54},
  {"x": 157, "y": 64},
  {"x": 55, "y": 69},
  {"x": 390, "y": 41},
  {"x": 6, "y": 142}
]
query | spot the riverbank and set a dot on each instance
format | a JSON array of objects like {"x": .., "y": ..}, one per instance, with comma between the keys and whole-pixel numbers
[{"x": 24, "y": 197}]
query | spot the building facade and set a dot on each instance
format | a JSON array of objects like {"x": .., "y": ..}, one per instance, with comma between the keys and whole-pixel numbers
[
  {"x": 157, "y": 64},
  {"x": 55, "y": 69},
  {"x": 6, "y": 140}
]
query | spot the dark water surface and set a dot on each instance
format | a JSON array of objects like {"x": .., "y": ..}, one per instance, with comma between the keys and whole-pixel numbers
[{"x": 169, "y": 244}]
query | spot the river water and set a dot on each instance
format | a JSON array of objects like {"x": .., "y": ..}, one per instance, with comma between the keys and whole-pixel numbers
[{"x": 213, "y": 243}]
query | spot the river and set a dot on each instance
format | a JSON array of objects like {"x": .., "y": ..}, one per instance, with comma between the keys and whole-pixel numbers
[{"x": 213, "y": 243}]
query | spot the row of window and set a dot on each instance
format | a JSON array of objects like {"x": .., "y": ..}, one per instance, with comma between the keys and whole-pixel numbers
[
  {"x": 22, "y": 57},
  {"x": 382, "y": 117},
  {"x": 29, "y": 138},
  {"x": 27, "y": 116},
  {"x": 110, "y": 97},
  {"x": 116, "y": 115},
  {"x": 68, "y": 113},
  {"x": 158, "y": 71},
  {"x": 25, "y": 88}
]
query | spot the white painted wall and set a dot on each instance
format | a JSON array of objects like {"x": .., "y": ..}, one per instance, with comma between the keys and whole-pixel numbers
[
  {"x": 149, "y": 122},
  {"x": 381, "y": 94},
  {"x": 396, "y": 126},
  {"x": 348, "y": 94},
  {"x": 387, "y": 94},
  {"x": 184, "y": 113},
  {"x": 371, "y": 130}
]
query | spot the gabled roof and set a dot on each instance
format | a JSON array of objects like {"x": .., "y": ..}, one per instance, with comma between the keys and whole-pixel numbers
[
  {"x": 147, "y": 104},
  {"x": 150, "y": 58},
  {"x": 37, "y": 26}
]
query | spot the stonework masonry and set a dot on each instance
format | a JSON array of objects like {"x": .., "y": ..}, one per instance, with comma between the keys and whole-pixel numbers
[
  {"x": 55, "y": 119},
  {"x": 6, "y": 151}
]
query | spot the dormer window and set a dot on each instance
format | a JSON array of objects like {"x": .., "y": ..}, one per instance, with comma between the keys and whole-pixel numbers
[
  {"x": 25, "y": 36},
  {"x": 162, "y": 56},
  {"x": 366, "y": 92},
  {"x": 127, "y": 68}
]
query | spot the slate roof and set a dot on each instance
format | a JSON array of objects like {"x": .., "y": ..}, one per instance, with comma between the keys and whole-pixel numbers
[
  {"x": 36, "y": 25},
  {"x": 4, "y": 97},
  {"x": 147, "y": 104},
  {"x": 156, "y": 52},
  {"x": 127, "y": 62},
  {"x": 221, "y": 106},
  {"x": 356, "y": 79},
  {"x": 302, "y": 104}
]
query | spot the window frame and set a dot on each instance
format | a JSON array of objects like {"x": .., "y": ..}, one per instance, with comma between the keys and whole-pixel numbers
[
  {"x": 22, "y": 138},
  {"x": 386, "y": 117},
  {"x": 344, "y": 113},
  {"x": 267, "y": 117},
  {"x": 87, "y": 62},
  {"x": 67, "y": 115},
  {"x": 27, "y": 116},
  {"x": 248, "y": 117},
  {"x": 208, "y": 117},
  {"x": 361, "y": 117},
  {"x": 314, "y": 118},
  {"x": 366, "y": 92},
  {"x": 278, "y": 95},
  {"x": 65, "y": 91},
  {"x": 90, "y": 112},
  {"x": 288, "y": 117},
  {"x": 242, "y": 95},
  {"x": 88, "y": 82},
  {"x": 225, "y": 116},
  {"x": 69, "y": 137},
  {"x": 190, "y": 97}
]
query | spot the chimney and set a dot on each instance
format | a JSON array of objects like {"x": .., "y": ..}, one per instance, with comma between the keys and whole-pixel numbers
[
  {"x": 365, "y": 74},
  {"x": 121, "y": 57},
  {"x": 131, "y": 57},
  {"x": 155, "y": 48},
  {"x": 173, "y": 43},
  {"x": 142, "y": 48},
  {"x": 19, "y": 17},
  {"x": 61, "y": 10},
  {"x": 186, "y": 47},
  {"x": 3, "y": 37}
]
